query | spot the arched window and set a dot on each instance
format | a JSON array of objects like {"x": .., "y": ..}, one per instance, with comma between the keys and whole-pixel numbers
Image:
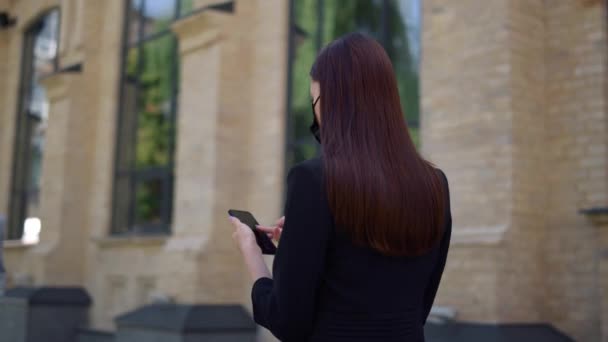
[
  {"x": 39, "y": 60},
  {"x": 314, "y": 23}
]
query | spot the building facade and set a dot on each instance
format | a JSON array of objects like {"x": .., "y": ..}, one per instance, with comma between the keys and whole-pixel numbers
[{"x": 129, "y": 128}]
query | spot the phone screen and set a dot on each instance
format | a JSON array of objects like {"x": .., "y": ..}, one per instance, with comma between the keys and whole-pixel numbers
[{"x": 265, "y": 243}]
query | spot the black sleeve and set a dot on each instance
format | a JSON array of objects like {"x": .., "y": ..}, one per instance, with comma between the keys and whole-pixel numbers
[
  {"x": 286, "y": 304},
  {"x": 431, "y": 290}
]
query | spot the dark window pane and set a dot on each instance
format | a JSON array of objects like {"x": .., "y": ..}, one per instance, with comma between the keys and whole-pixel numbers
[
  {"x": 22, "y": 148},
  {"x": 415, "y": 134},
  {"x": 344, "y": 16},
  {"x": 289, "y": 158},
  {"x": 148, "y": 197},
  {"x": 17, "y": 215},
  {"x": 305, "y": 51},
  {"x": 394, "y": 23},
  {"x": 18, "y": 204},
  {"x": 155, "y": 124},
  {"x": 339, "y": 17},
  {"x": 403, "y": 47},
  {"x": 122, "y": 200},
  {"x": 127, "y": 125},
  {"x": 158, "y": 15},
  {"x": 302, "y": 119},
  {"x": 134, "y": 20},
  {"x": 304, "y": 152},
  {"x": 185, "y": 7}
]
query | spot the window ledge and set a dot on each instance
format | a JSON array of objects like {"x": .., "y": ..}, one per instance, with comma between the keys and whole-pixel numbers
[
  {"x": 598, "y": 215},
  {"x": 595, "y": 211},
  {"x": 132, "y": 240},
  {"x": 16, "y": 244}
]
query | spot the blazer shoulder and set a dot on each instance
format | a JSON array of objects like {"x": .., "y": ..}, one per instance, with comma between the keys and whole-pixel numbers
[{"x": 441, "y": 174}]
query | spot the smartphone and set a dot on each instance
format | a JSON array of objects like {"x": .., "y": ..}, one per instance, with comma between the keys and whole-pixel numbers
[{"x": 265, "y": 243}]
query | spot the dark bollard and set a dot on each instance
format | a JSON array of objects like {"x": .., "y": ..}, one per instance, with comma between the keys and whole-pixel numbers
[
  {"x": 43, "y": 314},
  {"x": 186, "y": 323}
]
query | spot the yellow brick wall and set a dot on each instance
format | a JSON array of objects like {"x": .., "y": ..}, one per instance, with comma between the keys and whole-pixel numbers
[
  {"x": 577, "y": 155},
  {"x": 524, "y": 80},
  {"x": 520, "y": 274},
  {"x": 466, "y": 130}
]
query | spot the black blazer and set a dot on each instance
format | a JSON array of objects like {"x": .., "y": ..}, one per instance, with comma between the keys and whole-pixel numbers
[{"x": 327, "y": 289}]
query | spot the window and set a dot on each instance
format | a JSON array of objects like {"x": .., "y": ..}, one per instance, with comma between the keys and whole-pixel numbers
[
  {"x": 39, "y": 60},
  {"x": 144, "y": 165},
  {"x": 314, "y": 23}
]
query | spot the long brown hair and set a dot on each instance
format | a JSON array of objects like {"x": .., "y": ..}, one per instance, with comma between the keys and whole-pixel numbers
[{"x": 380, "y": 190}]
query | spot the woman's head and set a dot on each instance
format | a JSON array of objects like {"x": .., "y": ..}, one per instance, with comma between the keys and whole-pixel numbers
[
  {"x": 352, "y": 72},
  {"x": 379, "y": 188}
]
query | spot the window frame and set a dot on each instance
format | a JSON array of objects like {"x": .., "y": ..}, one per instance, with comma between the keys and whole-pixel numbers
[
  {"x": 20, "y": 189},
  {"x": 291, "y": 142},
  {"x": 135, "y": 176}
]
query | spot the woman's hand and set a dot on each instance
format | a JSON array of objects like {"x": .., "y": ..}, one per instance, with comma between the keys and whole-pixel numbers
[
  {"x": 252, "y": 254},
  {"x": 243, "y": 236},
  {"x": 273, "y": 232}
]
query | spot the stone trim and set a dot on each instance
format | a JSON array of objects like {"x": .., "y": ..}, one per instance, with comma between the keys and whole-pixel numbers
[
  {"x": 598, "y": 215},
  {"x": 199, "y": 30},
  {"x": 15, "y": 244},
  {"x": 58, "y": 85},
  {"x": 131, "y": 241},
  {"x": 30, "y": 11},
  {"x": 71, "y": 36},
  {"x": 493, "y": 235}
]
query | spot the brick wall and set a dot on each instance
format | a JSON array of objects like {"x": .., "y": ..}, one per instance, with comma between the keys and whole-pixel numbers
[
  {"x": 576, "y": 154},
  {"x": 466, "y": 130},
  {"x": 520, "y": 274},
  {"x": 514, "y": 111}
]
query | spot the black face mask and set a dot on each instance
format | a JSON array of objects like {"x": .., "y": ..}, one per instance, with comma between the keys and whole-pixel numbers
[{"x": 314, "y": 128}]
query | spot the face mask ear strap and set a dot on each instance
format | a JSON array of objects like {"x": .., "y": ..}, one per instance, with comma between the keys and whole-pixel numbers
[{"x": 314, "y": 128}]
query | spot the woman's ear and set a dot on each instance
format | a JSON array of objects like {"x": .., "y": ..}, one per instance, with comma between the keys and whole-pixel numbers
[
  {"x": 315, "y": 94},
  {"x": 315, "y": 89}
]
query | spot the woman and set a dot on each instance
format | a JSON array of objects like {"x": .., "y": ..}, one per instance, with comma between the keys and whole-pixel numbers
[{"x": 367, "y": 226}]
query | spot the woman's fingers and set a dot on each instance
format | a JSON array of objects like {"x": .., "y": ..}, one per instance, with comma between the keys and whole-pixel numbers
[
  {"x": 235, "y": 222},
  {"x": 273, "y": 232},
  {"x": 266, "y": 229}
]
